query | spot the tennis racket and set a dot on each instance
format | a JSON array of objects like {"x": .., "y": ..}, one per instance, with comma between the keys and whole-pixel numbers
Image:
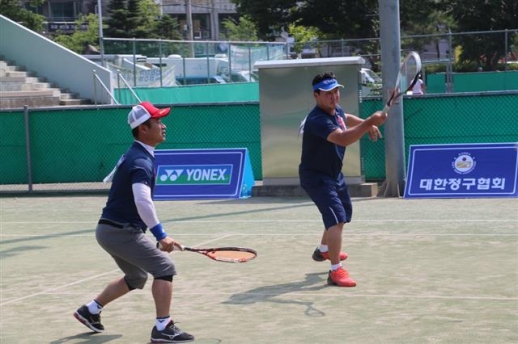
[
  {"x": 406, "y": 78},
  {"x": 223, "y": 254}
]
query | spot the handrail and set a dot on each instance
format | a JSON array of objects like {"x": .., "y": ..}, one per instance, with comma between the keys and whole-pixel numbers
[
  {"x": 96, "y": 78},
  {"x": 119, "y": 76}
]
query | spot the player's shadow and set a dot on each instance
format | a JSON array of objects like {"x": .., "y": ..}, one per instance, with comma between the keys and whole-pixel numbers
[
  {"x": 88, "y": 338},
  {"x": 313, "y": 281},
  {"x": 96, "y": 338},
  {"x": 18, "y": 250}
]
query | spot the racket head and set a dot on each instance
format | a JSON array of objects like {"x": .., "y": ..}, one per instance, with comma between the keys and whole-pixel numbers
[
  {"x": 407, "y": 76},
  {"x": 410, "y": 71},
  {"x": 226, "y": 254}
]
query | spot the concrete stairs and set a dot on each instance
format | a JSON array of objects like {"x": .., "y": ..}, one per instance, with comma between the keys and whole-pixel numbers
[{"x": 19, "y": 87}]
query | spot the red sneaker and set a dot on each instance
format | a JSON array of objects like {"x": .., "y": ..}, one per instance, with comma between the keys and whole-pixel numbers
[
  {"x": 340, "y": 277},
  {"x": 321, "y": 256}
]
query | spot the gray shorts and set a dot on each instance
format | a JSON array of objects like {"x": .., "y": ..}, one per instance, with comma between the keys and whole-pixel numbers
[{"x": 134, "y": 252}]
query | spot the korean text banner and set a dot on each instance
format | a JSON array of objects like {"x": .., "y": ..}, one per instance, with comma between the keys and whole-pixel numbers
[{"x": 462, "y": 171}]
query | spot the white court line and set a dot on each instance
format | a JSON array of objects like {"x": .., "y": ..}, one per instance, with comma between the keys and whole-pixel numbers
[
  {"x": 274, "y": 296},
  {"x": 407, "y": 296},
  {"x": 48, "y": 291},
  {"x": 56, "y": 288},
  {"x": 276, "y": 220},
  {"x": 411, "y": 235},
  {"x": 383, "y": 296},
  {"x": 277, "y": 296}
]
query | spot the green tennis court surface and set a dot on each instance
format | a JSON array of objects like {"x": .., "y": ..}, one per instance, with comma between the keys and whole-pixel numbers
[{"x": 428, "y": 271}]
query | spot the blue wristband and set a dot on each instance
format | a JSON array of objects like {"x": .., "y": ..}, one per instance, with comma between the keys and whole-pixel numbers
[{"x": 158, "y": 232}]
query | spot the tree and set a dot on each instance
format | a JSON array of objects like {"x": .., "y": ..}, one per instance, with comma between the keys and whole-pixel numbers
[
  {"x": 14, "y": 10},
  {"x": 341, "y": 18},
  {"x": 242, "y": 30},
  {"x": 139, "y": 19},
  {"x": 269, "y": 16},
  {"x": 354, "y": 20},
  {"x": 482, "y": 15},
  {"x": 80, "y": 38},
  {"x": 143, "y": 15},
  {"x": 118, "y": 24},
  {"x": 167, "y": 28},
  {"x": 132, "y": 19},
  {"x": 419, "y": 17},
  {"x": 345, "y": 19},
  {"x": 302, "y": 35}
]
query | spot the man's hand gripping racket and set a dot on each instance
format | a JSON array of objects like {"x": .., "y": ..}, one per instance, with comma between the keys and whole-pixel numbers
[
  {"x": 221, "y": 254},
  {"x": 406, "y": 79}
]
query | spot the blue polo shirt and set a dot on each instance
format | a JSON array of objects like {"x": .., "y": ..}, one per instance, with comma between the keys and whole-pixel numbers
[
  {"x": 137, "y": 167},
  {"x": 321, "y": 159}
]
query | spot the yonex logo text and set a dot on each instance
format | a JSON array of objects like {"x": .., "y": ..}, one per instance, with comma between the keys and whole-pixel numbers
[{"x": 194, "y": 175}]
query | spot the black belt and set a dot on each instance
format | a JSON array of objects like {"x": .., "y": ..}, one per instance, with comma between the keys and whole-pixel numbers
[{"x": 110, "y": 223}]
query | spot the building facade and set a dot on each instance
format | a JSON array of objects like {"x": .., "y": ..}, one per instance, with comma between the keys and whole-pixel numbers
[{"x": 207, "y": 15}]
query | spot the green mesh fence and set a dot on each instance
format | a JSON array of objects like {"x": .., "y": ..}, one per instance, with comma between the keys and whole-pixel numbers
[
  {"x": 223, "y": 93},
  {"x": 13, "y": 152},
  {"x": 75, "y": 148},
  {"x": 475, "y": 118},
  {"x": 473, "y": 82}
]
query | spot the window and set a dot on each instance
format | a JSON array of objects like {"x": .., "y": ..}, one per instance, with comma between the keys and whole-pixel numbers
[{"x": 64, "y": 11}]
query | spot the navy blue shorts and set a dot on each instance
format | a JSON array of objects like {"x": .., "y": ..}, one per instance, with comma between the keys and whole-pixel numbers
[{"x": 333, "y": 202}]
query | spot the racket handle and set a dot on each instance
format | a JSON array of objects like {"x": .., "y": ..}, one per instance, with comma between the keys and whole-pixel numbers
[
  {"x": 175, "y": 247},
  {"x": 386, "y": 109}
]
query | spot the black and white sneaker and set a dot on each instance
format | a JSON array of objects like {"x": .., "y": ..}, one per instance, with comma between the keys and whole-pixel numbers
[
  {"x": 171, "y": 334},
  {"x": 92, "y": 321}
]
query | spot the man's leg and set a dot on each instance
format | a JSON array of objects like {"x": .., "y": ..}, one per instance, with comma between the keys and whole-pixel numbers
[
  {"x": 162, "y": 291},
  {"x": 321, "y": 253},
  {"x": 334, "y": 242},
  {"x": 113, "y": 291},
  {"x": 165, "y": 330},
  {"x": 90, "y": 314},
  {"x": 324, "y": 238},
  {"x": 338, "y": 275}
]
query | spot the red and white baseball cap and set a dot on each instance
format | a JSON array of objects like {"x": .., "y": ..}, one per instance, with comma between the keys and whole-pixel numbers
[{"x": 144, "y": 111}]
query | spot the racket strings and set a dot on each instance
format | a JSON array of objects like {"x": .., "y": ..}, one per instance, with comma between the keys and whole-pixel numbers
[
  {"x": 231, "y": 255},
  {"x": 412, "y": 68},
  {"x": 407, "y": 77}
]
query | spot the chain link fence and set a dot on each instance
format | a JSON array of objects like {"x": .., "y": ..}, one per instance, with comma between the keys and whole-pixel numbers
[
  {"x": 157, "y": 63},
  {"x": 73, "y": 149},
  {"x": 498, "y": 49},
  {"x": 443, "y": 119}
]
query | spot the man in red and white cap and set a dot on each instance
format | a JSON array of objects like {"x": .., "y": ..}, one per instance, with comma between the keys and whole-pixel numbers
[
  {"x": 128, "y": 213},
  {"x": 144, "y": 111}
]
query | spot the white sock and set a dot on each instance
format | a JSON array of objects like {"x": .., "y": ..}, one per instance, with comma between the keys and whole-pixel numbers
[
  {"x": 335, "y": 266},
  {"x": 161, "y": 323},
  {"x": 323, "y": 248},
  {"x": 94, "y": 307}
]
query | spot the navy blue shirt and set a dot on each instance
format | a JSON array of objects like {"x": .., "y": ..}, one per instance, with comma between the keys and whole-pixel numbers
[
  {"x": 321, "y": 158},
  {"x": 137, "y": 167}
]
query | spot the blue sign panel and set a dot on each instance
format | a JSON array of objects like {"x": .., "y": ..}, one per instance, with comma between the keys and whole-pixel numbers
[
  {"x": 202, "y": 174},
  {"x": 462, "y": 171}
]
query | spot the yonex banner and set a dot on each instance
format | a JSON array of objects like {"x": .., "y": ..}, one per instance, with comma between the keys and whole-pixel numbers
[
  {"x": 462, "y": 171},
  {"x": 203, "y": 174}
]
